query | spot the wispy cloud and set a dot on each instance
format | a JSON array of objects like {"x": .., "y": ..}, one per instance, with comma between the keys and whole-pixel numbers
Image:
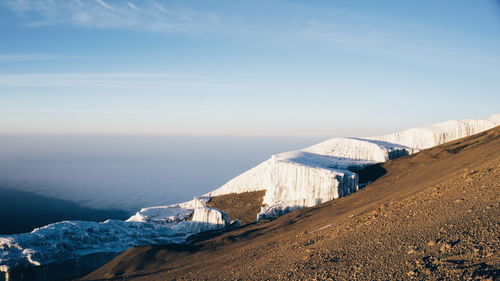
[
  {"x": 331, "y": 28},
  {"x": 68, "y": 111},
  {"x": 108, "y": 80},
  {"x": 335, "y": 33},
  {"x": 35, "y": 57},
  {"x": 160, "y": 7},
  {"x": 132, "y": 6},
  {"x": 104, "y": 4},
  {"x": 146, "y": 15},
  {"x": 179, "y": 17}
]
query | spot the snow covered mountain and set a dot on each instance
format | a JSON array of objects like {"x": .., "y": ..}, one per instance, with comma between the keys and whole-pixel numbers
[{"x": 292, "y": 180}]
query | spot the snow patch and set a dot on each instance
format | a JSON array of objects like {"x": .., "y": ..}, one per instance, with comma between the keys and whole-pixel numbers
[{"x": 168, "y": 214}]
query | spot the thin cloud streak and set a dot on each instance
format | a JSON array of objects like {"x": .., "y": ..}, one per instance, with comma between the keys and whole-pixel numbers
[
  {"x": 160, "y": 7},
  {"x": 149, "y": 15},
  {"x": 154, "y": 16},
  {"x": 104, "y": 4},
  {"x": 133, "y": 6},
  {"x": 104, "y": 75},
  {"x": 339, "y": 34},
  {"x": 109, "y": 80},
  {"x": 69, "y": 111},
  {"x": 35, "y": 57}
]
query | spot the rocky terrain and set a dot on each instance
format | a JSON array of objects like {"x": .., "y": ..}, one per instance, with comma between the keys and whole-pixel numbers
[
  {"x": 242, "y": 206},
  {"x": 431, "y": 215}
]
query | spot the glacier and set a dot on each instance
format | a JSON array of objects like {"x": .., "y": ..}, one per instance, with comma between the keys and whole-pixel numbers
[
  {"x": 67, "y": 241},
  {"x": 292, "y": 180},
  {"x": 327, "y": 170}
]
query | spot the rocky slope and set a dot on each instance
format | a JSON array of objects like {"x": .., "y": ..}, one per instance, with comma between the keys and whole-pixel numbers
[{"x": 431, "y": 215}]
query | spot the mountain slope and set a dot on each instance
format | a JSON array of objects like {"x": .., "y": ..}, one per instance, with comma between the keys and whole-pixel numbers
[
  {"x": 325, "y": 171},
  {"x": 434, "y": 214}
]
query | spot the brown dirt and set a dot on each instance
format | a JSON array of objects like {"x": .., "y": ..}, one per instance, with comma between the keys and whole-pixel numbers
[
  {"x": 433, "y": 215},
  {"x": 243, "y": 206}
]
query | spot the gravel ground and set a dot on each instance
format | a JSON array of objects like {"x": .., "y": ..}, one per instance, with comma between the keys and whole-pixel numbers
[{"x": 431, "y": 216}]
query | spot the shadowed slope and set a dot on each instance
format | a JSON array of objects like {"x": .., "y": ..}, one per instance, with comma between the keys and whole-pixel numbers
[
  {"x": 23, "y": 211},
  {"x": 434, "y": 214}
]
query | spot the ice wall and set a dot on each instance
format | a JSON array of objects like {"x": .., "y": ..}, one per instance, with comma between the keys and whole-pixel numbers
[
  {"x": 326, "y": 171},
  {"x": 426, "y": 137},
  {"x": 205, "y": 218},
  {"x": 291, "y": 186},
  {"x": 294, "y": 180}
]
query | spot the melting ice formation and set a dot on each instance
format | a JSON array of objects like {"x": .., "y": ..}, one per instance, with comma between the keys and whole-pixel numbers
[
  {"x": 69, "y": 240},
  {"x": 292, "y": 180}
]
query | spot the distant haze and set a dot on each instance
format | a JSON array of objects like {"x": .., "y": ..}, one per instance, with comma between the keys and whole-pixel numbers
[{"x": 130, "y": 172}]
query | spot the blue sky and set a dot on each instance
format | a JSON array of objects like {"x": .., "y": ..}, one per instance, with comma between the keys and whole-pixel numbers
[{"x": 259, "y": 68}]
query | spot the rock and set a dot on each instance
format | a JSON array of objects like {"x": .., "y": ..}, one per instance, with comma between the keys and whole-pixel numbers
[
  {"x": 445, "y": 247},
  {"x": 411, "y": 273}
]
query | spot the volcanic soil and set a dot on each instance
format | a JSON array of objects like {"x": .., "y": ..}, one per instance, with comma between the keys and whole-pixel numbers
[{"x": 433, "y": 215}]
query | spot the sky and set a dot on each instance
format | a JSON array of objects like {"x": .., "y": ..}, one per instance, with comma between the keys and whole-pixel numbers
[{"x": 245, "y": 68}]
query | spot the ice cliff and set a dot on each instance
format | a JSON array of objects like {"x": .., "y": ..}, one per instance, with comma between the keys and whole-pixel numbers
[
  {"x": 426, "y": 137},
  {"x": 326, "y": 171}
]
